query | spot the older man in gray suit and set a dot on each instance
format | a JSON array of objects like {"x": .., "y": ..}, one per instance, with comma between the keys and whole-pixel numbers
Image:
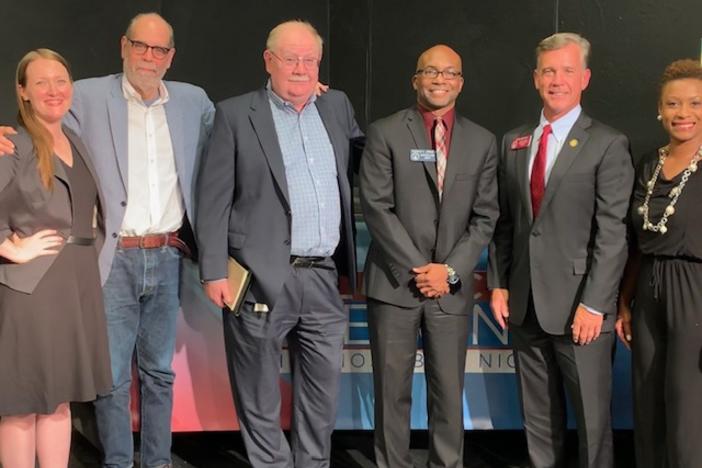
[
  {"x": 557, "y": 257},
  {"x": 273, "y": 193},
  {"x": 429, "y": 198},
  {"x": 145, "y": 136}
]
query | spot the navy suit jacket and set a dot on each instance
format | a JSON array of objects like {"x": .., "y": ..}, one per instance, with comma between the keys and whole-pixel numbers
[{"x": 242, "y": 201}]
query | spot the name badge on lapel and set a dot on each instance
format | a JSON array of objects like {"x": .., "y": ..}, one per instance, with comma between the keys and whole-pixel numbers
[
  {"x": 521, "y": 142},
  {"x": 422, "y": 155}
]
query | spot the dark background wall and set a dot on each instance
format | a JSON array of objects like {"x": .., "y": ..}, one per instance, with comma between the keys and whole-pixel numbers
[{"x": 372, "y": 46}]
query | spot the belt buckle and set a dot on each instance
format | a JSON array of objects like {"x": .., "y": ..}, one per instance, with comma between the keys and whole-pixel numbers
[
  {"x": 142, "y": 242},
  {"x": 301, "y": 262}
]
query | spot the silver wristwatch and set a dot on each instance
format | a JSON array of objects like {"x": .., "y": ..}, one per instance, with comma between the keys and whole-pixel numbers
[{"x": 452, "y": 275}]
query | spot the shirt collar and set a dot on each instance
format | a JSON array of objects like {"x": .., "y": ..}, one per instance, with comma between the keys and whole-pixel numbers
[
  {"x": 449, "y": 117},
  {"x": 281, "y": 103},
  {"x": 561, "y": 127},
  {"x": 131, "y": 94}
]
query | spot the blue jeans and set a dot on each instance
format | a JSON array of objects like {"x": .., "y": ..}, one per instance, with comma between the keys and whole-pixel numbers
[{"x": 141, "y": 306}]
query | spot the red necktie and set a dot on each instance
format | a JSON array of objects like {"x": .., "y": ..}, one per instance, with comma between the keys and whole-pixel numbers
[
  {"x": 538, "y": 172},
  {"x": 441, "y": 153}
]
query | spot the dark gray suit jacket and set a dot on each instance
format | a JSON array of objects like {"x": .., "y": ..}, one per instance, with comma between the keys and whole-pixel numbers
[
  {"x": 576, "y": 248},
  {"x": 408, "y": 224},
  {"x": 243, "y": 207},
  {"x": 26, "y": 206}
]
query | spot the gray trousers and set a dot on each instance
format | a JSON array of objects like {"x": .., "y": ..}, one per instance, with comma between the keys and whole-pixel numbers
[
  {"x": 393, "y": 339},
  {"x": 546, "y": 364},
  {"x": 310, "y": 314}
]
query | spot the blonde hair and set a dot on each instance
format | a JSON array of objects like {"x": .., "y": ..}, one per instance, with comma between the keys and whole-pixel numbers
[{"x": 26, "y": 117}]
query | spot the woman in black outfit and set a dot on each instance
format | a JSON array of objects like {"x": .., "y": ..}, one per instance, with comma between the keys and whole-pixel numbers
[{"x": 664, "y": 279}]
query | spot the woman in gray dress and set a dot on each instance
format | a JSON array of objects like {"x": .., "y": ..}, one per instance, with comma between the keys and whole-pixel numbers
[
  {"x": 53, "y": 340},
  {"x": 664, "y": 279}
]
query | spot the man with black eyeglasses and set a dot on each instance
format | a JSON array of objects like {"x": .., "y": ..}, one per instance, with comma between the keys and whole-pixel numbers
[
  {"x": 429, "y": 197},
  {"x": 145, "y": 136}
]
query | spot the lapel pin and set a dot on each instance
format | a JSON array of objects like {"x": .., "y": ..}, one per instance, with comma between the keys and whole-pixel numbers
[
  {"x": 521, "y": 142},
  {"x": 573, "y": 143}
]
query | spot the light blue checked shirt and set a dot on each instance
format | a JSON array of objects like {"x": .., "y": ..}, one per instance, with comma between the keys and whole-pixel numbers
[{"x": 310, "y": 171}]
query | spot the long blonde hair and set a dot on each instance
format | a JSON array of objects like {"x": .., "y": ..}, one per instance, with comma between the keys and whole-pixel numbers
[{"x": 26, "y": 117}]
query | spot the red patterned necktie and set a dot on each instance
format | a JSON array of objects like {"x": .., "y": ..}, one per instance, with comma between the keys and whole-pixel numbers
[
  {"x": 441, "y": 153},
  {"x": 537, "y": 182}
]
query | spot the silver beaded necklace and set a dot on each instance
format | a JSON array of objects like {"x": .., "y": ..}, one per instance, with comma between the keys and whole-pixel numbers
[{"x": 674, "y": 194}]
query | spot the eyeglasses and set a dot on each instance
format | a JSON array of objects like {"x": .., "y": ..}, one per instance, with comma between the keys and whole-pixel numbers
[
  {"x": 432, "y": 73},
  {"x": 291, "y": 62},
  {"x": 141, "y": 47}
]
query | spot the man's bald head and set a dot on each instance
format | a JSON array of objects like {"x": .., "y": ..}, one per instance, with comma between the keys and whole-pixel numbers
[
  {"x": 438, "y": 79},
  {"x": 442, "y": 51}
]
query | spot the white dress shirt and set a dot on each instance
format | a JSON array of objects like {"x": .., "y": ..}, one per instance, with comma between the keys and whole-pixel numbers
[{"x": 155, "y": 202}]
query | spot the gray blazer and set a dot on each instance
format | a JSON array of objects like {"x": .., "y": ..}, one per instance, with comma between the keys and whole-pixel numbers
[
  {"x": 26, "y": 206},
  {"x": 242, "y": 197},
  {"x": 408, "y": 224},
  {"x": 99, "y": 116},
  {"x": 576, "y": 248}
]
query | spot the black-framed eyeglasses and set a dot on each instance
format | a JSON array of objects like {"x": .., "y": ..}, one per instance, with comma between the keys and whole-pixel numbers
[
  {"x": 291, "y": 62},
  {"x": 141, "y": 47},
  {"x": 434, "y": 73}
]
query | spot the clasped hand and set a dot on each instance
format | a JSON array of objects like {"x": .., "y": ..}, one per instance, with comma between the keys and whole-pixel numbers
[{"x": 431, "y": 280}]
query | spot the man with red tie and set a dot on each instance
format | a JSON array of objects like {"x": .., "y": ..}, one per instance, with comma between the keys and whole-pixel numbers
[
  {"x": 429, "y": 198},
  {"x": 557, "y": 257}
]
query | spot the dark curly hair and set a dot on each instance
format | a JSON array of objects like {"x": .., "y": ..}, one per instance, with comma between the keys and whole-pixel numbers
[{"x": 680, "y": 70}]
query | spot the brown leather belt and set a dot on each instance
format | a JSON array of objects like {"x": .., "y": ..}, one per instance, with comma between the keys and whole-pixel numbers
[{"x": 154, "y": 241}]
